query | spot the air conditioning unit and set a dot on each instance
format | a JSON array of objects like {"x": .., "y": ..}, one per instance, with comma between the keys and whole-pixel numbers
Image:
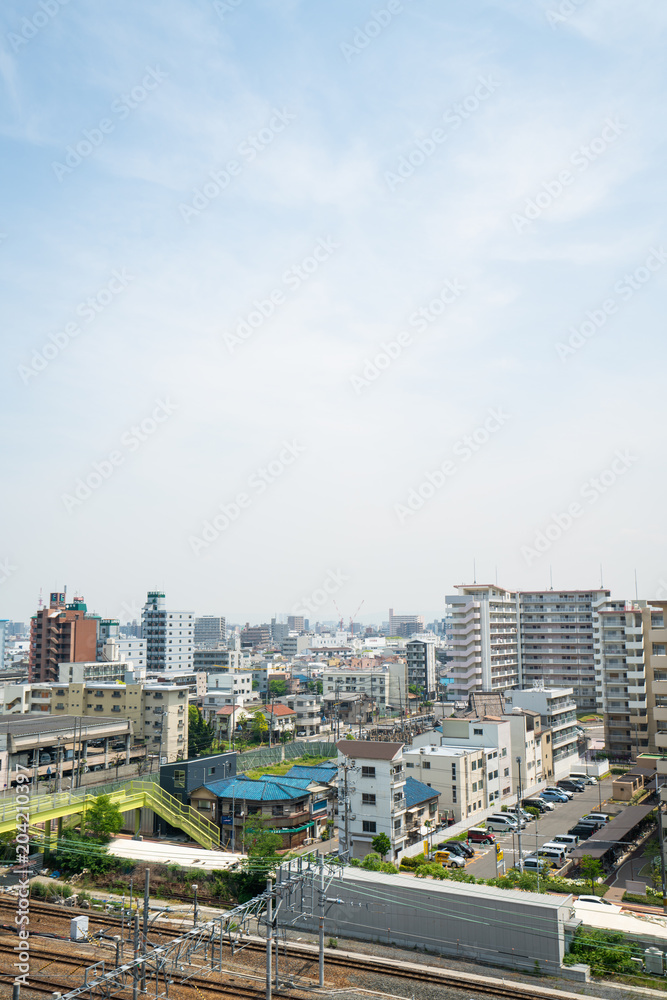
[{"x": 352, "y": 816}]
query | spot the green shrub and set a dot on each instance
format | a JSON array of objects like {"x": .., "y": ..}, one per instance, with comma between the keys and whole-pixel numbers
[
  {"x": 413, "y": 863},
  {"x": 604, "y": 951}
]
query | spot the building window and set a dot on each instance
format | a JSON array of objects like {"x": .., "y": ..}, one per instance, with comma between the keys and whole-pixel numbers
[
  {"x": 367, "y": 799},
  {"x": 179, "y": 779},
  {"x": 397, "y": 825},
  {"x": 474, "y": 765},
  {"x": 658, "y": 649},
  {"x": 277, "y": 811},
  {"x": 453, "y": 793},
  {"x": 478, "y": 732},
  {"x": 426, "y": 764},
  {"x": 369, "y": 826},
  {"x": 367, "y": 772}
]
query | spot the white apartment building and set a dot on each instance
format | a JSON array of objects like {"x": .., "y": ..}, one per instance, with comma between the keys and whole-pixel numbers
[
  {"x": 387, "y": 685},
  {"x": 466, "y": 777},
  {"x": 558, "y": 712},
  {"x": 210, "y": 630},
  {"x": 405, "y": 625},
  {"x": 21, "y": 699},
  {"x": 556, "y": 645},
  {"x": 493, "y": 735},
  {"x": 130, "y": 649},
  {"x": 371, "y": 791},
  {"x": 484, "y": 645},
  {"x": 308, "y": 708},
  {"x": 420, "y": 657},
  {"x": 629, "y": 657},
  {"x": 169, "y": 635},
  {"x": 228, "y": 689},
  {"x": 158, "y": 712}
]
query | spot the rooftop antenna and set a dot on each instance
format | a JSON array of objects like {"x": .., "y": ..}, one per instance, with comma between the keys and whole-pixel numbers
[
  {"x": 636, "y": 590},
  {"x": 496, "y": 575},
  {"x": 474, "y": 570},
  {"x": 551, "y": 578},
  {"x": 40, "y": 603},
  {"x": 601, "y": 580}
]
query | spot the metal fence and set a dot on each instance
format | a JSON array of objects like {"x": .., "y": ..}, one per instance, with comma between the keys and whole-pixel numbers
[{"x": 289, "y": 751}]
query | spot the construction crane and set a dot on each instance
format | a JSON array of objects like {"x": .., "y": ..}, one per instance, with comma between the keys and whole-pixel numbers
[{"x": 341, "y": 623}]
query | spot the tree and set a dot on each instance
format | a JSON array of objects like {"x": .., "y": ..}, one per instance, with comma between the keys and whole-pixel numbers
[
  {"x": 103, "y": 819},
  {"x": 259, "y": 727},
  {"x": 278, "y": 686},
  {"x": 381, "y": 845},
  {"x": 200, "y": 733},
  {"x": 591, "y": 869},
  {"x": 248, "y": 879}
]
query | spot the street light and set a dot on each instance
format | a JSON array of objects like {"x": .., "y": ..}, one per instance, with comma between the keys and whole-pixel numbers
[{"x": 194, "y": 920}]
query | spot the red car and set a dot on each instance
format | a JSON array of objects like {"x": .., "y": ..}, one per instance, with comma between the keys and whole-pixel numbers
[{"x": 479, "y": 836}]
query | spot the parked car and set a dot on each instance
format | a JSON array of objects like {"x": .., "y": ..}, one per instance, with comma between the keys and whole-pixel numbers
[
  {"x": 595, "y": 818},
  {"x": 459, "y": 847},
  {"x": 569, "y": 840},
  {"x": 518, "y": 811},
  {"x": 449, "y": 860},
  {"x": 538, "y": 803},
  {"x": 584, "y": 830},
  {"x": 586, "y": 778},
  {"x": 552, "y": 845},
  {"x": 569, "y": 785},
  {"x": 564, "y": 791},
  {"x": 534, "y": 864},
  {"x": 503, "y": 823},
  {"x": 476, "y": 835},
  {"x": 553, "y": 795},
  {"x": 596, "y": 900}
]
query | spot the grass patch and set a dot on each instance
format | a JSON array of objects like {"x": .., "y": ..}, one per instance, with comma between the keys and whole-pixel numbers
[{"x": 279, "y": 769}]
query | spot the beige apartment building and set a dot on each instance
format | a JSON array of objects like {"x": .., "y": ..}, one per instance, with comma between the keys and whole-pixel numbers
[
  {"x": 631, "y": 675},
  {"x": 158, "y": 712}
]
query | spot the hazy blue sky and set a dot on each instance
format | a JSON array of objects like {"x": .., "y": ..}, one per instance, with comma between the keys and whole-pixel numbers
[{"x": 217, "y": 215}]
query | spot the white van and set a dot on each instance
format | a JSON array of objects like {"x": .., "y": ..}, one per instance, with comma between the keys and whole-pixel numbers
[
  {"x": 568, "y": 840},
  {"x": 554, "y": 845},
  {"x": 534, "y": 864},
  {"x": 502, "y": 823},
  {"x": 552, "y": 853}
]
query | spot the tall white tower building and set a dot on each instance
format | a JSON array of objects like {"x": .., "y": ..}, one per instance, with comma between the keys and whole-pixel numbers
[
  {"x": 169, "y": 635},
  {"x": 484, "y": 641}
]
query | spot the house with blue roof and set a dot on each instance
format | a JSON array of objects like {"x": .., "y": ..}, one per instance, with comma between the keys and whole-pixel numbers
[
  {"x": 421, "y": 807},
  {"x": 296, "y": 807}
]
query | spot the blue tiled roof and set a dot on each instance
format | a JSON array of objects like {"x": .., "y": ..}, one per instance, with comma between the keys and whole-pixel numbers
[
  {"x": 417, "y": 792},
  {"x": 314, "y": 772},
  {"x": 268, "y": 788}
]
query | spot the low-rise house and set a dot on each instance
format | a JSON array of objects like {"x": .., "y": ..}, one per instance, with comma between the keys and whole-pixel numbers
[
  {"x": 291, "y": 807},
  {"x": 421, "y": 805},
  {"x": 352, "y": 709},
  {"x": 308, "y": 708},
  {"x": 281, "y": 719}
]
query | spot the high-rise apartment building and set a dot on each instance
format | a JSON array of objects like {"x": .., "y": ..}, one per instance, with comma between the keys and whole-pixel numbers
[
  {"x": 405, "y": 625},
  {"x": 169, "y": 636},
  {"x": 296, "y": 623},
  {"x": 3, "y": 635},
  {"x": 420, "y": 656},
  {"x": 556, "y": 646},
  {"x": 630, "y": 662},
  {"x": 61, "y": 633},
  {"x": 210, "y": 631},
  {"x": 484, "y": 648}
]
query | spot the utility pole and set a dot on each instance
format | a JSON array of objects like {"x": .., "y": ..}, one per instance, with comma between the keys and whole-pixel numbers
[
  {"x": 147, "y": 883},
  {"x": 135, "y": 970},
  {"x": 661, "y": 838},
  {"x": 321, "y": 908},
  {"x": 269, "y": 935},
  {"x": 518, "y": 817}
]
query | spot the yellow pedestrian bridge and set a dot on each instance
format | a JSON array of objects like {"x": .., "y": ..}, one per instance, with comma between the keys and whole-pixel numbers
[{"x": 134, "y": 795}]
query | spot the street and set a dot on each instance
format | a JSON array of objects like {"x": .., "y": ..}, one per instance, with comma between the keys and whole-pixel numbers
[{"x": 564, "y": 816}]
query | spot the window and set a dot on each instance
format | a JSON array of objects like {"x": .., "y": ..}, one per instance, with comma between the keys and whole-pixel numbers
[
  {"x": 658, "y": 649},
  {"x": 407, "y": 764},
  {"x": 367, "y": 772},
  {"x": 369, "y": 826},
  {"x": 277, "y": 811},
  {"x": 504, "y": 753},
  {"x": 397, "y": 825},
  {"x": 478, "y": 732},
  {"x": 453, "y": 793},
  {"x": 474, "y": 786},
  {"x": 398, "y": 796},
  {"x": 506, "y": 772},
  {"x": 179, "y": 779},
  {"x": 453, "y": 770},
  {"x": 474, "y": 765},
  {"x": 367, "y": 799},
  {"x": 211, "y": 770}
]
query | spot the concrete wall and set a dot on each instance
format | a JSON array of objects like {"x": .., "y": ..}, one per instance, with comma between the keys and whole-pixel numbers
[{"x": 494, "y": 926}]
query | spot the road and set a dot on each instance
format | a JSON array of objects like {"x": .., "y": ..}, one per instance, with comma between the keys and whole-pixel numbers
[{"x": 564, "y": 816}]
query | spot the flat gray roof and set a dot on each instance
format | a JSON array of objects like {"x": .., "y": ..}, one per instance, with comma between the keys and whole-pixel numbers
[{"x": 38, "y": 727}]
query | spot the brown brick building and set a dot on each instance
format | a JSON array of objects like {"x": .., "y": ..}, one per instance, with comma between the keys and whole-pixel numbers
[{"x": 61, "y": 633}]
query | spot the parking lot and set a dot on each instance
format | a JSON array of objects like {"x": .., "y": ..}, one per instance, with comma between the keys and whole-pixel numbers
[{"x": 564, "y": 816}]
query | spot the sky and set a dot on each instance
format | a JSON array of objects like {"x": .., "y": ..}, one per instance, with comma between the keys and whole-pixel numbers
[{"x": 308, "y": 304}]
